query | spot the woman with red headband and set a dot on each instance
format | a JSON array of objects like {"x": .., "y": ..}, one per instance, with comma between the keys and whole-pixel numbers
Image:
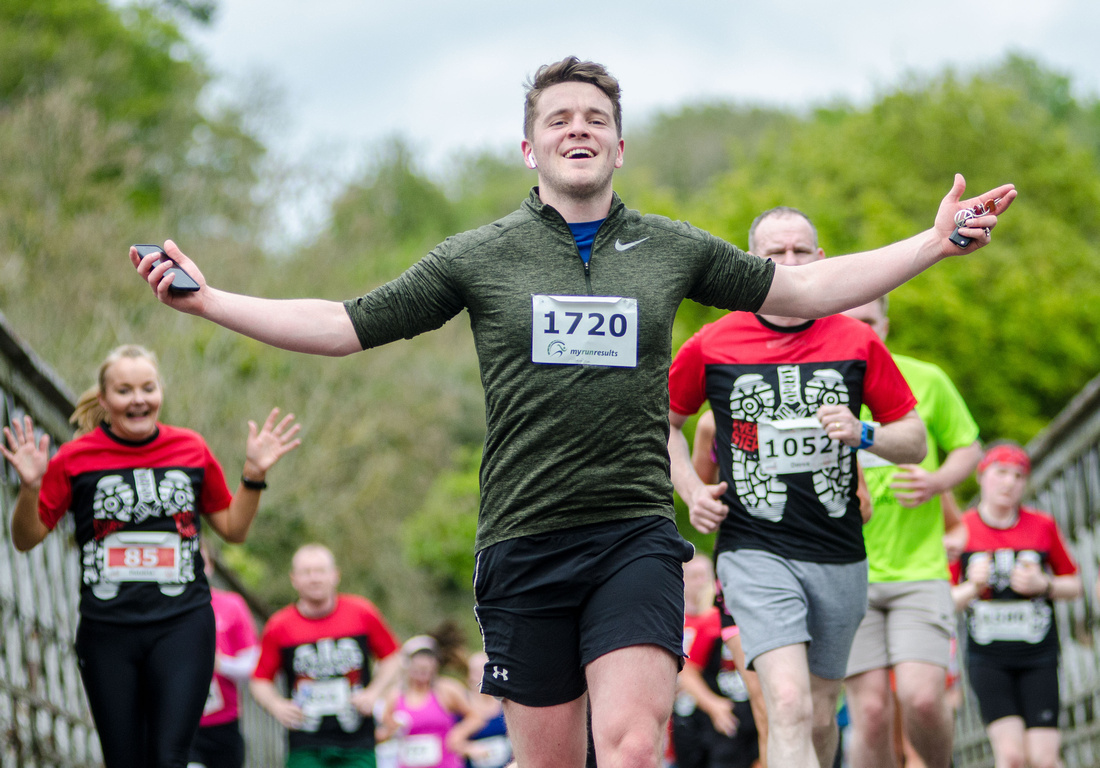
[{"x": 1014, "y": 565}]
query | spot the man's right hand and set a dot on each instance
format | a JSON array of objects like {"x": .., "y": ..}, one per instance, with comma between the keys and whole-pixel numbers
[
  {"x": 706, "y": 510},
  {"x": 978, "y": 571},
  {"x": 720, "y": 711},
  {"x": 289, "y": 714},
  {"x": 192, "y": 302}
]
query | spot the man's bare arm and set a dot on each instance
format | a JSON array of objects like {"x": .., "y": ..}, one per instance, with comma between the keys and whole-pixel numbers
[
  {"x": 705, "y": 507},
  {"x": 913, "y": 485},
  {"x": 702, "y": 448},
  {"x": 828, "y": 286},
  {"x": 289, "y": 714},
  {"x": 902, "y": 441},
  {"x": 315, "y": 326}
]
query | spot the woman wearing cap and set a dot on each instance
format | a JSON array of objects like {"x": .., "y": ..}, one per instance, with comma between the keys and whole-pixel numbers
[
  {"x": 424, "y": 710},
  {"x": 1014, "y": 565},
  {"x": 139, "y": 492}
]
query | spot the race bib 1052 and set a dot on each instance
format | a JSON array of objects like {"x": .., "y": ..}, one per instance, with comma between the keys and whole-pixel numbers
[{"x": 790, "y": 446}]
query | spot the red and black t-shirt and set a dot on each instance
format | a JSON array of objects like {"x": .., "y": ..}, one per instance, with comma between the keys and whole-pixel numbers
[
  {"x": 765, "y": 384},
  {"x": 136, "y": 508},
  {"x": 325, "y": 661},
  {"x": 1002, "y": 622}
]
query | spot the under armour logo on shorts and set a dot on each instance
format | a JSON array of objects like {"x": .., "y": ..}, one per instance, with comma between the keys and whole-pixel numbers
[{"x": 501, "y": 673}]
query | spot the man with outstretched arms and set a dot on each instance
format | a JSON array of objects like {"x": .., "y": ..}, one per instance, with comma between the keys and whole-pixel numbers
[
  {"x": 325, "y": 645},
  {"x": 785, "y": 392},
  {"x": 910, "y": 615},
  {"x": 571, "y": 301}
]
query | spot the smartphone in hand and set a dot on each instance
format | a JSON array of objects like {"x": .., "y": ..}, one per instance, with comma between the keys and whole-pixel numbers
[{"x": 182, "y": 282}]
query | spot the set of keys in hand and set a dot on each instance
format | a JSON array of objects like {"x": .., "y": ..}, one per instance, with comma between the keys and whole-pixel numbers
[{"x": 965, "y": 215}]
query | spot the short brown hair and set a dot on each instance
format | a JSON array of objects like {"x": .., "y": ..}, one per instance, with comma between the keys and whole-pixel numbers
[
  {"x": 570, "y": 70},
  {"x": 780, "y": 211}
]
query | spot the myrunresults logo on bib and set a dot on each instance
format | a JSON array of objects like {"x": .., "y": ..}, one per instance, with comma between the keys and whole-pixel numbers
[{"x": 584, "y": 330}]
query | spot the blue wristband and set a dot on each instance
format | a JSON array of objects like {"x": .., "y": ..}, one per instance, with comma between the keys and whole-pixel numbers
[{"x": 867, "y": 436}]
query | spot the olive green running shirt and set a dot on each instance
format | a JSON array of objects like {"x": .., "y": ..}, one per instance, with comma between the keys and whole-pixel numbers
[{"x": 567, "y": 444}]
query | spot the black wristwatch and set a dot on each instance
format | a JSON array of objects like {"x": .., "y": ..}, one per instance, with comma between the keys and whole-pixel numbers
[
  {"x": 867, "y": 436},
  {"x": 253, "y": 485}
]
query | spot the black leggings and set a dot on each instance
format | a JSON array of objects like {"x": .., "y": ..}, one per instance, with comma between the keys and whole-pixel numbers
[
  {"x": 218, "y": 746},
  {"x": 147, "y": 685}
]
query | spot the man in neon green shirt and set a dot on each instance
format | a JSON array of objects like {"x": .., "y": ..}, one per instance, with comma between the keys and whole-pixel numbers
[{"x": 910, "y": 617}]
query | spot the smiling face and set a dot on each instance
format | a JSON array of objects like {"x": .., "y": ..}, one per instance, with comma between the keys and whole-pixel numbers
[
  {"x": 131, "y": 396},
  {"x": 574, "y": 143}
]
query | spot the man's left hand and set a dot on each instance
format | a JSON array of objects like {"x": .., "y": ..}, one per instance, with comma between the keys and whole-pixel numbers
[
  {"x": 978, "y": 229},
  {"x": 913, "y": 485},
  {"x": 840, "y": 424}
]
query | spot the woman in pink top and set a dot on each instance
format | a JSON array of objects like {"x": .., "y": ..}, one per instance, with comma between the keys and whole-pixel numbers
[
  {"x": 425, "y": 709},
  {"x": 218, "y": 743}
]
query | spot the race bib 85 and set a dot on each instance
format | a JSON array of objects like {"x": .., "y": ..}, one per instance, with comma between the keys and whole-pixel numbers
[{"x": 142, "y": 556}]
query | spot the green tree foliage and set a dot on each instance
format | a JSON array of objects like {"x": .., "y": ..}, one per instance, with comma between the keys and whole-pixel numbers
[
  {"x": 439, "y": 536},
  {"x": 102, "y": 144},
  {"x": 684, "y": 152}
]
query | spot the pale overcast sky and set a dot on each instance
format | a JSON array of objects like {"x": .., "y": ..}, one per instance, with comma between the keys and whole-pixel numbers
[{"x": 448, "y": 75}]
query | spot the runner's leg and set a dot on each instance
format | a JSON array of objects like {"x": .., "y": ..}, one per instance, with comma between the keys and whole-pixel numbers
[
  {"x": 548, "y": 737},
  {"x": 870, "y": 704},
  {"x": 826, "y": 737},
  {"x": 632, "y": 691},
  {"x": 109, "y": 667},
  {"x": 178, "y": 670},
  {"x": 927, "y": 724},
  {"x": 785, "y": 677}
]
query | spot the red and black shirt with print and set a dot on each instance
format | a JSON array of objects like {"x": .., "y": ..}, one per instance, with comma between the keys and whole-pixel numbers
[
  {"x": 755, "y": 373},
  {"x": 1002, "y": 622},
  {"x": 325, "y": 661},
  {"x": 136, "y": 508}
]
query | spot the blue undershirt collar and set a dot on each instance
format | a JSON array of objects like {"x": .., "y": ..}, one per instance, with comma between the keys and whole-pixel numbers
[{"x": 585, "y": 233}]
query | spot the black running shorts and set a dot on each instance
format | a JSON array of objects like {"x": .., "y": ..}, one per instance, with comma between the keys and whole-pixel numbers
[
  {"x": 1025, "y": 690},
  {"x": 549, "y": 604}
]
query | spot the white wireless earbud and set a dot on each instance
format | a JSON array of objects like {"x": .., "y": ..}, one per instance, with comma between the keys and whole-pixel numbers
[{"x": 531, "y": 161}]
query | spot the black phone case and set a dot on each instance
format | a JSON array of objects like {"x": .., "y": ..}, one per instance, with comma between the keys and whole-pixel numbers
[{"x": 183, "y": 282}]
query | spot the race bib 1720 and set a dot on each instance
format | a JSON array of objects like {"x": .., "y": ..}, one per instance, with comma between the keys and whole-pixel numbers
[{"x": 584, "y": 330}]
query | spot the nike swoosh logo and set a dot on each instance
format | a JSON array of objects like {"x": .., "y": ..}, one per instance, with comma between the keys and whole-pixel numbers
[{"x": 621, "y": 246}]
